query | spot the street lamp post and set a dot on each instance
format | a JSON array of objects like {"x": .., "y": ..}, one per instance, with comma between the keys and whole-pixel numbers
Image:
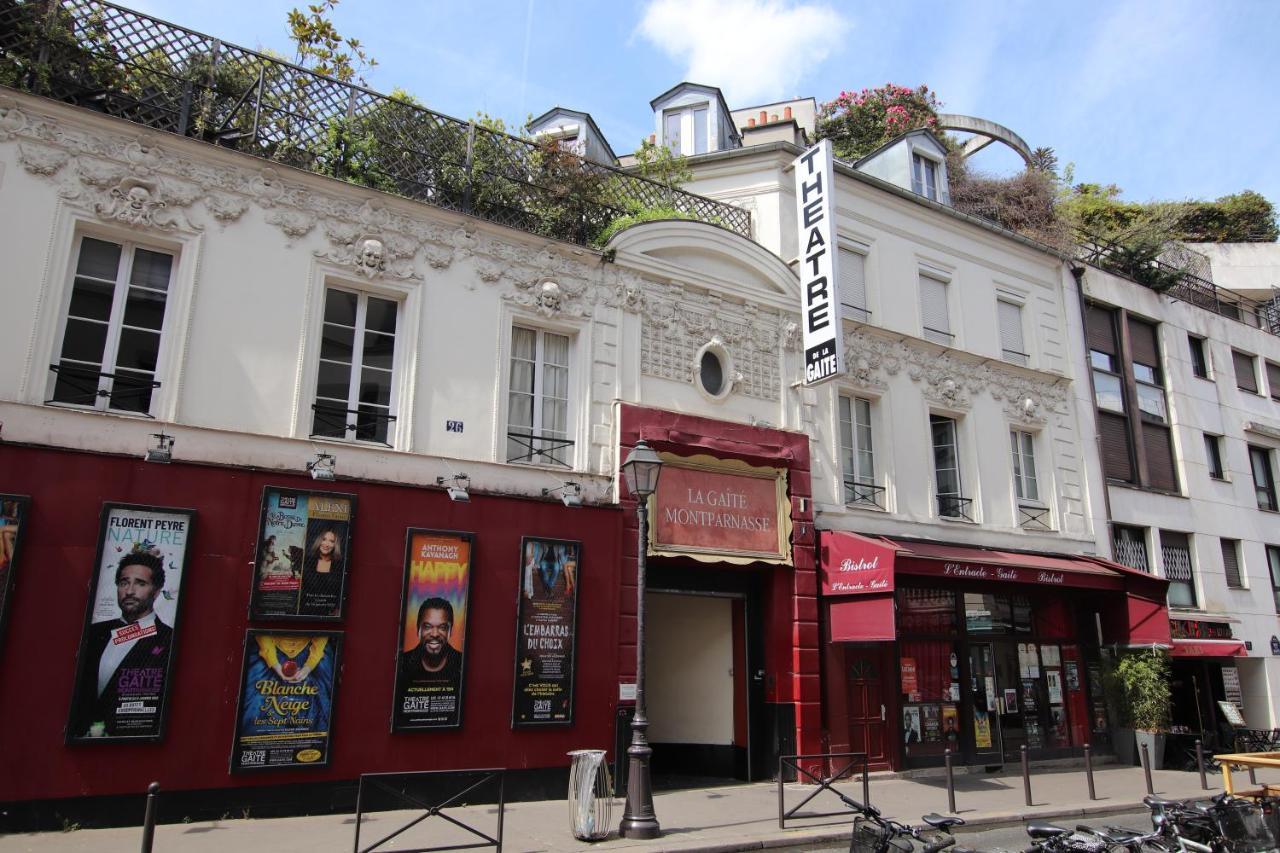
[{"x": 641, "y": 472}]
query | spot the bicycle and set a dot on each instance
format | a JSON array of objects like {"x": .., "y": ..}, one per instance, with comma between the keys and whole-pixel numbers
[{"x": 875, "y": 833}]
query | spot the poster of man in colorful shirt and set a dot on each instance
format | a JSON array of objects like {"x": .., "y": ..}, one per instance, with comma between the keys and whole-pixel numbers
[
  {"x": 433, "y": 631},
  {"x": 126, "y": 650},
  {"x": 286, "y": 699}
]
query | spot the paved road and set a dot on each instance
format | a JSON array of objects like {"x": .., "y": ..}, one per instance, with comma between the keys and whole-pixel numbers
[{"x": 1013, "y": 838}]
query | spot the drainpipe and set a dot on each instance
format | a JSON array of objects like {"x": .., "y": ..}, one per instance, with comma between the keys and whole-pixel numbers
[{"x": 1077, "y": 272}]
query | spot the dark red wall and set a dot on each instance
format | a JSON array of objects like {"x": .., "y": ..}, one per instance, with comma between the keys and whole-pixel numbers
[
  {"x": 790, "y": 592},
  {"x": 47, "y": 607}
]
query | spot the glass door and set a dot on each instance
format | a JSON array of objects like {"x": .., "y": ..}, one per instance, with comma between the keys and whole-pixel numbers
[{"x": 985, "y": 702}]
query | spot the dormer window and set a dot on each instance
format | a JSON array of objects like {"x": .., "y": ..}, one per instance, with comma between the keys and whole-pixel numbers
[
  {"x": 686, "y": 130},
  {"x": 925, "y": 172}
]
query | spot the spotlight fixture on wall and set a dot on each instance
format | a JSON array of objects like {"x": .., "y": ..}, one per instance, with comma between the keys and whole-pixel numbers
[
  {"x": 570, "y": 493},
  {"x": 322, "y": 467},
  {"x": 163, "y": 449},
  {"x": 457, "y": 488}
]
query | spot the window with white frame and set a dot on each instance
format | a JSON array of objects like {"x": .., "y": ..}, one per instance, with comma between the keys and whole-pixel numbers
[
  {"x": 1024, "y": 466},
  {"x": 685, "y": 130},
  {"x": 857, "y": 455},
  {"x": 110, "y": 347},
  {"x": 925, "y": 175},
  {"x": 355, "y": 394},
  {"x": 538, "y": 398},
  {"x": 853, "y": 285},
  {"x": 1175, "y": 555},
  {"x": 1012, "y": 347},
  {"x": 946, "y": 468},
  {"x": 935, "y": 319}
]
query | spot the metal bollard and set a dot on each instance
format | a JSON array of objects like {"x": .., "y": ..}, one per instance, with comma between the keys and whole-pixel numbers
[
  {"x": 866, "y": 784},
  {"x": 1026, "y": 775},
  {"x": 951, "y": 782},
  {"x": 1088, "y": 771},
  {"x": 1204, "y": 783},
  {"x": 149, "y": 819},
  {"x": 1146, "y": 768}
]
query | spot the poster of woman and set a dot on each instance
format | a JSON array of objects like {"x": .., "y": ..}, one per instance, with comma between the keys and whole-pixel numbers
[
  {"x": 304, "y": 542},
  {"x": 433, "y": 631},
  {"x": 546, "y": 630},
  {"x": 287, "y": 692},
  {"x": 13, "y": 513},
  {"x": 126, "y": 648}
]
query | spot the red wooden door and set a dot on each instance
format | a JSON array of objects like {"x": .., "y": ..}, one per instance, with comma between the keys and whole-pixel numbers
[{"x": 866, "y": 678}]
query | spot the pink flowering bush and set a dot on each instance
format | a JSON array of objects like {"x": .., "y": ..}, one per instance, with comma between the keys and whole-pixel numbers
[{"x": 858, "y": 123}]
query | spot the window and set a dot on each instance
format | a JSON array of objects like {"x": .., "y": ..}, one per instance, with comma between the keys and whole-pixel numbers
[
  {"x": 853, "y": 285},
  {"x": 1213, "y": 456},
  {"x": 357, "y": 355},
  {"x": 1273, "y": 379},
  {"x": 925, "y": 172},
  {"x": 1130, "y": 546},
  {"x": 1175, "y": 553},
  {"x": 1231, "y": 563},
  {"x": 1246, "y": 377},
  {"x": 1012, "y": 348},
  {"x": 1264, "y": 484},
  {"x": 1024, "y": 466},
  {"x": 686, "y": 130},
  {"x": 1128, "y": 380},
  {"x": 946, "y": 468},
  {"x": 111, "y": 340},
  {"x": 857, "y": 456},
  {"x": 1199, "y": 358},
  {"x": 934, "y": 316},
  {"x": 1273, "y": 561},
  {"x": 538, "y": 399}
]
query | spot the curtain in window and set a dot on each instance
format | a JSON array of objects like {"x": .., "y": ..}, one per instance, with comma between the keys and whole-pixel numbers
[
  {"x": 933, "y": 309},
  {"x": 853, "y": 284},
  {"x": 1011, "y": 344}
]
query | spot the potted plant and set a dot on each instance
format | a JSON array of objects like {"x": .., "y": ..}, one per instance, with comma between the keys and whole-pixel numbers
[{"x": 1140, "y": 684}]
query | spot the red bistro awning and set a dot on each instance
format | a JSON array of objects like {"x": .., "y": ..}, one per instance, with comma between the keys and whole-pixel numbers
[
  {"x": 1208, "y": 649},
  {"x": 861, "y": 618},
  {"x": 965, "y": 563}
]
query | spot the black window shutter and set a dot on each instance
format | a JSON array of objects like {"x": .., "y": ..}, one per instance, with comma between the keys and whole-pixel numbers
[
  {"x": 1273, "y": 379},
  {"x": 1231, "y": 563},
  {"x": 1142, "y": 343},
  {"x": 1117, "y": 461},
  {"x": 1245, "y": 377},
  {"x": 1101, "y": 329},
  {"x": 1159, "y": 452}
]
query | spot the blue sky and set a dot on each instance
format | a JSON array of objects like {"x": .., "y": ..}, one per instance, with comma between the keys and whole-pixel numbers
[{"x": 1169, "y": 100}]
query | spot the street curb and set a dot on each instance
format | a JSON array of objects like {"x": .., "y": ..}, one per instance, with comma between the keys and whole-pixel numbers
[{"x": 801, "y": 838}]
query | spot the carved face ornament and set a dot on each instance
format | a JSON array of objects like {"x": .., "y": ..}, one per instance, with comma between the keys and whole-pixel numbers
[
  {"x": 549, "y": 297},
  {"x": 372, "y": 257}
]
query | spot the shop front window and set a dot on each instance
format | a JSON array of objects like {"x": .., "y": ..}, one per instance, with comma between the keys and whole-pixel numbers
[
  {"x": 930, "y": 685},
  {"x": 926, "y": 611},
  {"x": 985, "y": 613}
]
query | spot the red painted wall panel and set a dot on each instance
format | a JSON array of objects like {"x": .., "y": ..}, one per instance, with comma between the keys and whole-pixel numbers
[{"x": 46, "y": 614}]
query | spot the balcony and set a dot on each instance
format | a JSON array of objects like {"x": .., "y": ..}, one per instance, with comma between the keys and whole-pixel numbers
[
  {"x": 1032, "y": 517},
  {"x": 863, "y": 494},
  {"x": 1178, "y": 283},
  {"x": 955, "y": 507},
  {"x": 128, "y": 65}
]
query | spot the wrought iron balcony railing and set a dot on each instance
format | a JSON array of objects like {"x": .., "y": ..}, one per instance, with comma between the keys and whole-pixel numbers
[
  {"x": 120, "y": 62},
  {"x": 79, "y": 385},
  {"x": 954, "y": 506},
  {"x": 863, "y": 494},
  {"x": 533, "y": 449},
  {"x": 1181, "y": 284},
  {"x": 366, "y": 424},
  {"x": 1032, "y": 517}
]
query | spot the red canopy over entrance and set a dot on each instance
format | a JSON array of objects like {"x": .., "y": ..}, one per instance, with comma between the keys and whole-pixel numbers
[{"x": 1207, "y": 649}]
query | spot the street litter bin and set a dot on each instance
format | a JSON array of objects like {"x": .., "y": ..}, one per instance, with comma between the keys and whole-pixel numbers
[{"x": 590, "y": 795}]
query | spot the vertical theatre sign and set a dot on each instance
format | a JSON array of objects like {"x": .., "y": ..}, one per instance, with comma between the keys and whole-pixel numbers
[{"x": 819, "y": 285}]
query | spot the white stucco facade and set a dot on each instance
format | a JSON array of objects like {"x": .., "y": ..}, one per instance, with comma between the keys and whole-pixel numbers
[{"x": 1209, "y": 509}]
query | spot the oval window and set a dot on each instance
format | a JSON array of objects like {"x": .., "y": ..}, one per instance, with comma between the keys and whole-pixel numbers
[{"x": 711, "y": 373}]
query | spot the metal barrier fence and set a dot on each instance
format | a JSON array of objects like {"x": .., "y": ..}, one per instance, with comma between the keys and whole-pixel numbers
[
  {"x": 117, "y": 61},
  {"x": 804, "y": 765},
  {"x": 466, "y": 782}
]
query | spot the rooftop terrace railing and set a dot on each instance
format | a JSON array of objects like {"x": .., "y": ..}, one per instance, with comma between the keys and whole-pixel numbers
[
  {"x": 1150, "y": 271},
  {"x": 114, "y": 60}
]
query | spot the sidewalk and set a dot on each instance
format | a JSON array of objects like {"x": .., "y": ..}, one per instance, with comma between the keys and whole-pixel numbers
[{"x": 739, "y": 817}]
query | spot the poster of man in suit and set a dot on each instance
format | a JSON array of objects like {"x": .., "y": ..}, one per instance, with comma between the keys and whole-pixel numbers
[{"x": 126, "y": 650}]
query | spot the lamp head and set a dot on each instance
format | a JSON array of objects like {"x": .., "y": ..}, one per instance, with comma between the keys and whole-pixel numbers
[{"x": 641, "y": 470}]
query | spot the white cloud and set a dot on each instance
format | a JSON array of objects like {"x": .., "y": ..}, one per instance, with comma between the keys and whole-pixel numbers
[{"x": 754, "y": 50}]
